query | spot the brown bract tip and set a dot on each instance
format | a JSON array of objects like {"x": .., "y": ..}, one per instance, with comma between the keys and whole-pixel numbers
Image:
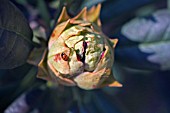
[
  {"x": 63, "y": 16},
  {"x": 82, "y": 15},
  {"x": 93, "y": 15},
  {"x": 114, "y": 41}
]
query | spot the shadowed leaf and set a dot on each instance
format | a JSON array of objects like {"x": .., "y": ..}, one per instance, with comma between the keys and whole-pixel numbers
[{"x": 15, "y": 36}]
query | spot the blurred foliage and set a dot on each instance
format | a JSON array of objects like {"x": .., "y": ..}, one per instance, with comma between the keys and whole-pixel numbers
[
  {"x": 150, "y": 36},
  {"x": 141, "y": 58}
]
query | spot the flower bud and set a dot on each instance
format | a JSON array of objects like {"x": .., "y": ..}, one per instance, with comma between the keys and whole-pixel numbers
[{"x": 79, "y": 53}]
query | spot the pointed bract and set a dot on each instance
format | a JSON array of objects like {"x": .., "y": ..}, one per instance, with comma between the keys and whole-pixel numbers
[
  {"x": 115, "y": 84},
  {"x": 93, "y": 15},
  {"x": 114, "y": 41},
  {"x": 63, "y": 16},
  {"x": 42, "y": 68},
  {"x": 111, "y": 82},
  {"x": 82, "y": 15}
]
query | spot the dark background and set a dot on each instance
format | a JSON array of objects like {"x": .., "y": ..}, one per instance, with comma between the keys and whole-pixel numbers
[{"x": 145, "y": 83}]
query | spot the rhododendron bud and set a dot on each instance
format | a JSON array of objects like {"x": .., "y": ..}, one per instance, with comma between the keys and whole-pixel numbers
[{"x": 79, "y": 53}]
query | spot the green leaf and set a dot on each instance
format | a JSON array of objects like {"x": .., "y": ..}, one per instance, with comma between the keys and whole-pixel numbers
[
  {"x": 151, "y": 42},
  {"x": 15, "y": 36}
]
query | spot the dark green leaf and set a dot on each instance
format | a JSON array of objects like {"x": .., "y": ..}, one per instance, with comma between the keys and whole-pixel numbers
[
  {"x": 11, "y": 81},
  {"x": 15, "y": 36}
]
